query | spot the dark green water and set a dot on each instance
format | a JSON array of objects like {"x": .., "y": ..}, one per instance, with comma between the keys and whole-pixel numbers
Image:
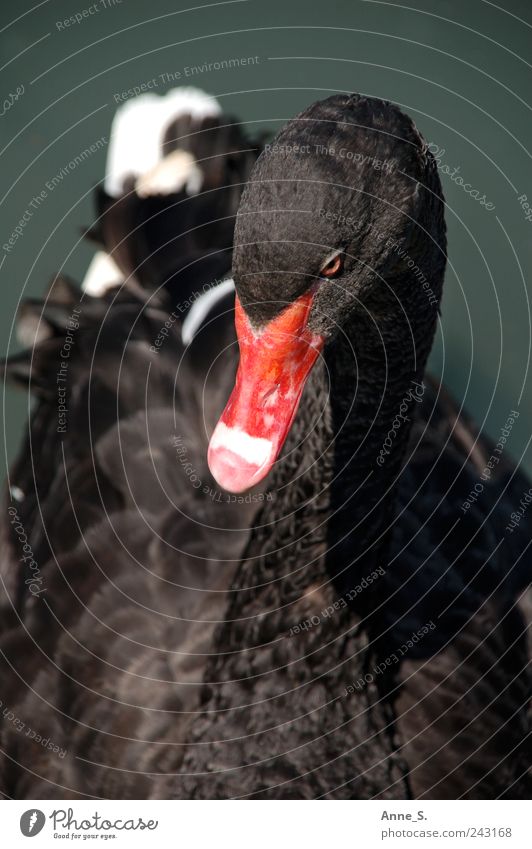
[{"x": 460, "y": 69}]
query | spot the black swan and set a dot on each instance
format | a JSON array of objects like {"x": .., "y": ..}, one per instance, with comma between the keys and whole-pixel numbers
[
  {"x": 418, "y": 685},
  {"x": 102, "y": 473},
  {"x": 374, "y": 635}
]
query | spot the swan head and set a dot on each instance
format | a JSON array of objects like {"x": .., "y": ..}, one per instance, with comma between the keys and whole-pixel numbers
[{"x": 343, "y": 214}]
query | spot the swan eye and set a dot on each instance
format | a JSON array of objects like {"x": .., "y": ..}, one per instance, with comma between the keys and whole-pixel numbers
[{"x": 334, "y": 267}]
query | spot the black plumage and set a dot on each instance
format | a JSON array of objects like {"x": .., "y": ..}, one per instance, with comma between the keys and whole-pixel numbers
[{"x": 162, "y": 584}]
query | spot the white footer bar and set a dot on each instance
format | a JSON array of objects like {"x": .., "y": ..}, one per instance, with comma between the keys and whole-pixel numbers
[{"x": 267, "y": 825}]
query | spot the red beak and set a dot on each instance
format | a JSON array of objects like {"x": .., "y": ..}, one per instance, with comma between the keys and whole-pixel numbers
[{"x": 274, "y": 365}]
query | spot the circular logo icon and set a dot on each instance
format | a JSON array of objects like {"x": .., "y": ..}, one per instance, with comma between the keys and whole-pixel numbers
[{"x": 32, "y": 822}]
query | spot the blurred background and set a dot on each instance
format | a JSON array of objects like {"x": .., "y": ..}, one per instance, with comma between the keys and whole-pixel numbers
[{"x": 461, "y": 70}]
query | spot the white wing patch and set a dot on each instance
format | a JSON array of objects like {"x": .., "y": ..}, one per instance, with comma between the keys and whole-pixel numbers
[
  {"x": 102, "y": 274},
  {"x": 175, "y": 172},
  {"x": 201, "y": 308},
  {"x": 138, "y": 129}
]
